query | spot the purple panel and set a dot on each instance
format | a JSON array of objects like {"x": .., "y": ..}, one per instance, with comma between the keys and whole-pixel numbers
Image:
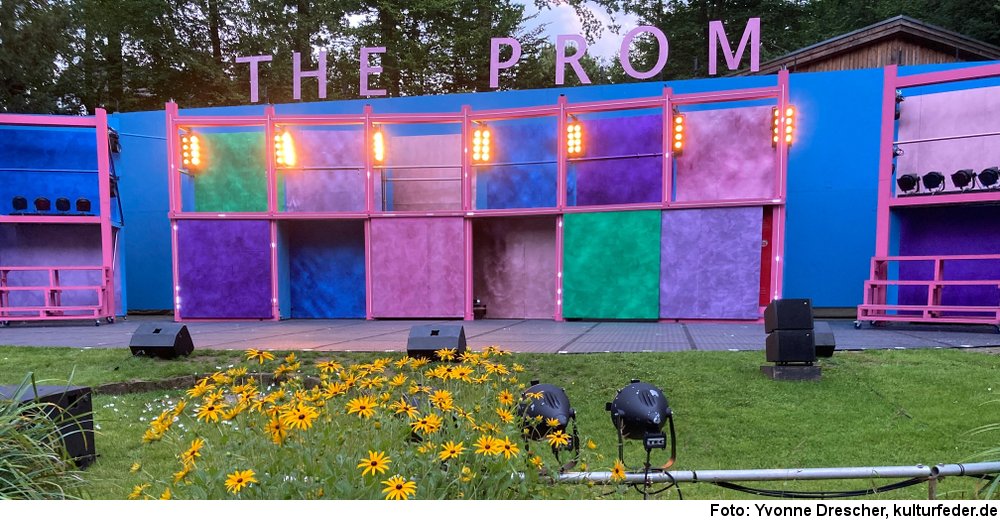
[
  {"x": 514, "y": 266},
  {"x": 425, "y": 193},
  {"x": 710, "y": 263},
  {"x": 327, "y": 190},
  {"x": 27, "y": 245},
  {"x": 958, "y": 230},
  {"x": 620, "y": 181},
  {"x": 727, "y": 155},
  {"x": 418, "y": 267},
  {"x": 224, "y": 268},
  {"x": 943, "y": 114}
]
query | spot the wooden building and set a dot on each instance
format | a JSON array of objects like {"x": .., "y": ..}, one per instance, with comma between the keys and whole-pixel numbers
[{"x": 897, "y": 41}]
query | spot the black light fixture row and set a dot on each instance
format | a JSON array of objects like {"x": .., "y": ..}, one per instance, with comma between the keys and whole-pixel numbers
[
  {"x": 965, "y": 180},
  {"x": 43, "y": 205}
]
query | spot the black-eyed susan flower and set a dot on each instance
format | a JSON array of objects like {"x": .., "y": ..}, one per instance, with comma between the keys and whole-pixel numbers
[
  {"x": 203, "y": 387},
  {"x": 135, "y": 467},
  {"x": 329, "y": 367},
  {"x": 238, "y": 480},
  {"x": 618, "y": 471},
  {"x": 376, "y": 461},
  {"x": 300, "y": 416},
  {"x": 403, "y": 361},
  {"x": 290, "y": 358},
  {"x": 536, "y": 461},
  {"x": 397, "y": 381},
  {"x": 467, "y": 474},
  {"x": 442, "y": 399},
  {"x": 552, "y": 422},
  {"x": 278, "y": 430},
  {"x": 364, "y": 406},
  {"x": 591, "y": 445},
  {"x": 166, "y": 495},
  {"x": 183, "y": 473},
  {"x": 445, "y": 354},
  {"x": 210, "y": 412},
  {"x": 236, "y": 372},
  {"x": 193, "y": 452},
  {"x": 398, "y": 488},
  {"x": 507, "y": 448},
  {"x": 450, "y": 450},
  {"x": 487, "y": 445},
  {"x": 429, "y": 423},
  {"x": 505, "y": 415},
  {"x": 260, "y": 355},
  {"x": 402, "y": 406},
  {"x": 505, "y": 397},
  {"x": 558, "y": 438},
  {"x": 419, "y": 362},
  {"x": 138, "y": 491}
]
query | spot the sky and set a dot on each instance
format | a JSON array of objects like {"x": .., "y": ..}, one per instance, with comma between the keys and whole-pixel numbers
[{"x": 562, "y": 19}]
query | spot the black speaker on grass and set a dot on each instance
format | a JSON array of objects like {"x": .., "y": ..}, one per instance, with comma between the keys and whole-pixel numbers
[
  {"x": 825, "y": 342},
  {"x": 164, "y": 340},
  {"x": 424, "y": 340},
  {"x": 72, "y": 410},
  {"x": 788, "y": 314},
  {"x": 790, "y": 346}
]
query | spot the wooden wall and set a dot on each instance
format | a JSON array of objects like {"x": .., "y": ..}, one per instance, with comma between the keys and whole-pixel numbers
[{"x": 896, "y": 51}]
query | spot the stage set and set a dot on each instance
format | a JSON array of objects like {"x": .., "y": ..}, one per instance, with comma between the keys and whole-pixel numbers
[{"x": 679, "y": 202}]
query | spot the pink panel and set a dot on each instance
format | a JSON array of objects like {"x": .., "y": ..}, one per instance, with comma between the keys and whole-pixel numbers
[
  {"x": 946, "y": 114},
  {"x": 424, "y": 195},
  {"x": 727, "y": 155},
  {"x": 418, "y": 267}
]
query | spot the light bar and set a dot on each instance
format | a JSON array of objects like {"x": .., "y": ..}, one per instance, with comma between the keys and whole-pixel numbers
[
  {"x": 574, "y": 138},
  {"x": 191, "y": 151},
  {"x": 481, "y": 144},
  {"x": 284, "y": 149}
]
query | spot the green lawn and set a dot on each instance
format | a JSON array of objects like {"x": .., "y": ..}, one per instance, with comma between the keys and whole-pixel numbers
[{"x": 888, "y": 407}]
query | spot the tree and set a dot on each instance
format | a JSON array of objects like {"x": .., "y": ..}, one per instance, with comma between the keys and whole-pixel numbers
[{"x": 34, "y": 50}]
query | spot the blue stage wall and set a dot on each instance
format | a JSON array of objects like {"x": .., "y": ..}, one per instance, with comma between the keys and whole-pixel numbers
[{"x": 830, "y": 224}]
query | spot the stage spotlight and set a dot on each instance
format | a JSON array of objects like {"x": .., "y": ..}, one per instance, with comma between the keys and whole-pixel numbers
[
  {"x": 964, "y": 179},
  {"x": 191, "y": 151},
  {"x": 678, "y": 128},
  {"x": 989, "y": 177},
  {"x": 481, "y": 144},
  {"x": 378, "y": 145},
  {"x": 20, "y": 203},
  {"x": 42, "y": 204},
  {"x": 934, "y": 182},
  {"x": 545, "y": 415},
  {"x": 908, "y": 183},
  {"x": 62, "y": 204},
  {"x": 574, "y": 138},
  {"x": 782, "y": 124},
  {"x": 899, "y": 99},
  {"x": 639, "y": 411},
  {"x": 284, "y": 149},
  {"x": 83, "y": 205},
  {"x": 114, "y": 141}
]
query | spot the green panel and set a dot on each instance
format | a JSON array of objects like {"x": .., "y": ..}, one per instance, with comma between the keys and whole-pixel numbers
[
  {"x": 611, "y": 265},
  {"x": 235, "y": 177}
]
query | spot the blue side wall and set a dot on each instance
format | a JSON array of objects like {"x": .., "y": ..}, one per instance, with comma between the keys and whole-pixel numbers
[{"x": 832, "y": 180}]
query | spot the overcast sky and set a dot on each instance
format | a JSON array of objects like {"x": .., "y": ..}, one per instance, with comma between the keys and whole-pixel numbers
[{"x": 562, "y": 19}]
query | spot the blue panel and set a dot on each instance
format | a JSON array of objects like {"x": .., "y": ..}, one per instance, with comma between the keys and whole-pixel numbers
[
  {"x": 523, "y": 185},
  {"x": 327, "y": 267}
]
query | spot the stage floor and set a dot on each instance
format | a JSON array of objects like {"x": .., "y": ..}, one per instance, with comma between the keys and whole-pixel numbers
[{"x": 540, "y": 336}]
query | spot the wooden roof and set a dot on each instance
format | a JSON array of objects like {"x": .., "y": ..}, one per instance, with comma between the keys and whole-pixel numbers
[{"x": 900, "y": 27}]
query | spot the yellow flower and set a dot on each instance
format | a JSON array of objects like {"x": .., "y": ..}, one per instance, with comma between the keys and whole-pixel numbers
[
  {"x": 467, "y": 474},
  {"x": 591, "y": 445},
  {"x": 506, "y": 398},
  {"x": 203, "y": 387},
  {"x": 192, "y": 453},
  {"x": 552, "y": 422},
  {"x": 445, "y": 354},
  {"x": 398, "y": 488},
  {"x": 180, "y": 407},
  {"x": 487, "y": 445},
  {"x": 426, "y": 447},
  {"x": 618, "y": 471},
  {"x": 364, "y": 406},
  {"x": 508, "y": 448},
  {"x": 376, "y": 461},
  {"x": 469, "y": 357},
  {"x": 153, "y": 434},
  {"x": 283, "y": 369},
  {"x": 166, "y": 495},
  {"x": 398, "y": 381},
  {"x": 210, "y": 412},
  {"x": 220, "y": 379},
  {"x": 450, "y": 451},
  {"x": 505, "y": 415},
  {"x": 300, "y": 417},
  {"x": 534, "y": 395},
  {"x": 278, "y": 430},
  {"x": 290, "y": 358},
  {"x": 537, "y": 462},
  {"x": 259, "y": 355},
  {"x": 237, "y": 372},
  {"x": 372, "y": 383},
  {"x": 442, "y": 399},
  {"x": 183, "y": 473},
  {"x": 558, "y": 438},
  {"x": 419, "y": 362},
  {"x": 402, "y": 406},
  {"x": 329, "y": 367},
  {"x": 462, "y": 373},
  {"x": 517, "y": 367},
  {"x": 137, "y": 491},
  {"x": 403, "y": 361},
  {"x": 135, "y": 467},
  {"x": 429, "y": 423},
  {"x": 238, "y": 480},
  {"x": 331, "y": 390}
]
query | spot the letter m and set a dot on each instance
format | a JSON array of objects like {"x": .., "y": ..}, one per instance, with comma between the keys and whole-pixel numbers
[{"x": 717, "y": 33}]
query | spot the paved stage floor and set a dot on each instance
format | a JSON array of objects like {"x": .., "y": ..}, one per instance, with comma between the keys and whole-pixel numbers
[{"x": 543, "y": 336}]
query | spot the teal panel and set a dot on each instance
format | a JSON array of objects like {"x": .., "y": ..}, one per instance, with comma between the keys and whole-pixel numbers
[
  {"x": 611, "y": 265},
  {"x": 234, "y": 178}
]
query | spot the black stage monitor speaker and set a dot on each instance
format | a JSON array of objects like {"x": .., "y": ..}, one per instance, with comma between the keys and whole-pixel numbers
[
  {"x": 788, "y": 314},
  {"x": 165, "y": 340},
  {"x": 425, "y": 339},
  {"x": 825, "y": 343},
  {"x": 73, "y": 411},
  {"x": 791, "y": 346},
  {"x": 62, "y": 204}
]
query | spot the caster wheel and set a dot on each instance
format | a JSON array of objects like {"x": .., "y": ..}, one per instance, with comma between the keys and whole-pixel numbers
[
  {"x": 110, "y": 320},
  {"x": 97, "y": 323},
  {"x": 996, "y": 328},
  {"x": 857, "y": 324},
  {"x": 4, "y": 324}
]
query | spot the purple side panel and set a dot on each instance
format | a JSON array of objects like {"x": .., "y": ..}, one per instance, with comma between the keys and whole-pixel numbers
[
  {"x": 224, "y": 268},
  {"x": 326, "y": 190},
  {"x": 727, "y": 155},
  {"x": 619, "y": 181},
  {"x": 710, "y": 263},
  {"x": 944, "y": 114},
  {"x": 514, "y": 266},
  {"x": 956, "y": 230},
  {"x": 424, "y": 195},
  {"x": 418, "y": 267},
  {"x": 30, "y": 245}
]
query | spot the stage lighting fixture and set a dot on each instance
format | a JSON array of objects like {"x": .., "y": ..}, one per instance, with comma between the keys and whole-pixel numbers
[
  {"x": 114, "y": 141},
  {"x": 899, "y": 99},
  {"x": 639, "y": 411},
  {"x": 62, "y": 204},
  {"x": 544, "y": 411},
  {"x": 42, "y": 204},
  {"x": 964, "y": 179},
  {"x": 191, "y": 151},
  {"x": 284, "y": 149},
  {"x": 574, "y": 137},
  {"x": 83, "y": 205},
  {"x": 782, "y": 124},
  {"x": 989, "y": 177},
  {"x": 934, "y": 182},
  {"x": 481, "y": 143},
  {"x": 908, "y": 183},
  {"x": 678, "y": 128},
  {"x": 20, "y": 203},
  {"x": 378, "y": 145}
]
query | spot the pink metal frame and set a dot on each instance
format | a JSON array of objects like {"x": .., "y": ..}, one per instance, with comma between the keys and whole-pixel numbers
[
  {"x": 467, "y": 118},
  {"x": 875, "y": 307},
  {"x": 52, "y": 292}
]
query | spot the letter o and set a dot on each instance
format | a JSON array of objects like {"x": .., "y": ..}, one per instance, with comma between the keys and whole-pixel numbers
[{"x": 661, "y": 59}]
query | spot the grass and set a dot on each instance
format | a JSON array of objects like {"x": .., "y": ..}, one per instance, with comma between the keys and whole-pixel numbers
[{"x": 888, "y": 407}]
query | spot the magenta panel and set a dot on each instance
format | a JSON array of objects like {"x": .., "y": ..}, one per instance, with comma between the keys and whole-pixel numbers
[
  {"x": 514, "y": 266},
  {"x": 34, "y": 245},
  {"x": 710, "y": 263},
  {"x": 727, "y": 155},
  {"x": 418, "y": 267},
  {"x": 326, "y": 190},
  {"x": 416, "y": 189},
  {"x": 959, "y": 112}
]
